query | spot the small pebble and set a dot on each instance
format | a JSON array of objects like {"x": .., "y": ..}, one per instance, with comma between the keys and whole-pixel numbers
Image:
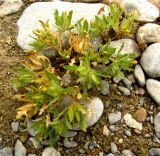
[
  {"x": 125, "y": 91},
  {"x": 140, "y": 115},
  {"x": 106, "y": 131},
  {"x": 128, "y": 133},
  {"x": 15, "y": 126},
  {"x": 113, "y": 148}
]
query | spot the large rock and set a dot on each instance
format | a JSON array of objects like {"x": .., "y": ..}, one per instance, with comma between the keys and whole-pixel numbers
[
  {"x": 153, "y": 88},
  {"x": 6, "y": 151},
  {"x": 150, "y": 60},
  {"x": 10, "y": 6},
  {"x": 20, "y": 150},
  {"x": 154, "y": 152},
  {"x": 156, "y": 3},
  {"x": 145, "y": 11},
  {"x": 29, "y": 20},
  {"x": 50, "y": 151},
  {"x": 149, "y": 33},
  {"x": 157, "y": 125},
  {"x": 130, "y": 46},
  {"x": 95, "y": 108}
]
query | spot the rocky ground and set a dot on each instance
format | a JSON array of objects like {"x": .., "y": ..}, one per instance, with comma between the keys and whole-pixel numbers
[{"x": 130, "y": 123}]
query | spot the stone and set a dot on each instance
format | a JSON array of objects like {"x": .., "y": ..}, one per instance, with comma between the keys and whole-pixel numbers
[
  {"x": 6, "y": 151},
  {"x": 140, "y": 115},
  {"x": 95, "y": 107},
  {"x": 31, "y": 155},
  {"x": 29, "y": 20},
  {"x": 127, "y": 83},
  {"x": 69, "y": 144},
  {"x": 10, "y": 6},
  {"x": 130, "y": 46},
  {"x": 20, "y": 150},
  {"x": 139, "y": 75},
  {"x": 154, "y": 152},
  {"x": 15, "y": 126},
  {"x": 116, "y": 79},
  {"x": 157, "y": 125},
  {"x": 112, "y": 1},
  {"x": 150, "y": 60},
  {"x": 101, "y": 154},
  {"x": 36, "y": 143},
  {"x": 127, "y": 153},
  {"x": 141, "y": 7},
  {"x": 114, "y": 117},
  {"x": 131, "y": 78},
  {"x": 125, "y": 91},
  {"x": 50, "y": 151},
  {"x": 105, "y": 88},
  {"x": 31, "y": 131},
  {"x": 110, "y": 154},
  {"x": 50, "y": 53},
  {"x": 153, "y": 88},
  {"x": 131, "y": 122},
  {"x": 114, "y": 148},
  {"x": 113, "y": 128},
  {"x": 128, "y": 132},
  {"x": 81, "y": 150},
  {"x": 148, "y": 33},
  {"x": 106, "y": 131}
]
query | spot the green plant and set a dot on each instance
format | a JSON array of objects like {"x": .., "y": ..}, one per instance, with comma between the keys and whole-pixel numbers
[{"x": 41, "y": 79}]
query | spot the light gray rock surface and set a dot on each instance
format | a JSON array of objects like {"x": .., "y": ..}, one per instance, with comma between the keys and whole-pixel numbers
[
  {"x": 149, "y": 33},
  {"x": 154, "y": 152},
  {"x": 139, "y": 75},
  {"x": 10, "y": 6},
  {"x": 114, "y": 117},
  {"x": 125, "y": 91},
  {"x": 131, "y": 122},
  {"x": 69, "y": 144},
  {"x": 15, "y": 126},
  {"x": 130, "y": 46},
  {"x": 127, "y": 153},
  {"x": 29, "y": 20},
  {"x": 50, "y": 151},
  {"x": 20, "y": 150},
  {"x": 6, "y": 151},
  {"x": 114, "y": 148},
  {"x": 153, "y": 88},
  {"x": 157, "y": 125},
  {"x": 95, "y": 107},
  {"x": 145, "y": 11},
  {"x": 105, "y": 88},
  {"x": 150, "y": 60}
]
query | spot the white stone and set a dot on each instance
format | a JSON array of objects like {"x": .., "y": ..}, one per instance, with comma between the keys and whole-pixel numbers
[
  {"x": 50, "y": 151},
  {"x": 153, "y": 88},
  {"x": 149, "y": 33},
  {"x": 139, "y": 75},
  {"x": 29, "y": 20},
  {"x": 131, "y": 122},
  {"x": 150, "y": 60},
  {"x": 145, "y": 11},
  {"x": 130, "y": 46},
  {"x": 20, "y": 150},
  {"x": 95, "y": 109},
  {"x": 10, "y": 6},
  {"x": 157, "y": 125}
]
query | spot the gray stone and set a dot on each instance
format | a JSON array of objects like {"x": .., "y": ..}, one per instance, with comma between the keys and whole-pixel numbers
[
  {"x": 114, "y": 148},
  {"x": 96, "y": 107},
  {"x": 101, "y": 154},
  {"x": 82, "y": 151},
  {"x": 116, "y": 79},
  {"x": 157, "y": 125},
  {"x": 110, "y": 154},
  {"x": 96, "y": 43},
  {"x": 50, "y": 151},
  {"x": 141, "y": 7},
  {"x": 6, "y": 151},
  {"x": 69, "y": 144},
  {"x": 154, "y": 152},
  {"x": 139, "y": 75},
  {"x": 127, "y": 83},
  {"x": 125, "y": 91},
  {"x": 148, "y": 33},
  {"x": 130, "y": 46},
  {"x": 50, "y": 53},
  {"x": 113, "y": 128},
  {"x": 128, "y": 132},
  {"x": 15, "y": 126},
  {"x": 31, "y": 130},
  {"x": 20, "y": 150},
  {"x": 150, "y": 60},
  {"x": 31, "y": 155},
  {"x": 153, "y": 88},
  {"x": 105, "y": 88},
  {"x": 10, "y": 6},
  {"x": 29, "y": 20},
  {"x": 131, "y": 122},
  {"x": 114, "y": 117},
  {"x": 127, "y": 153},
  {"x": 36, "y": 143}
]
